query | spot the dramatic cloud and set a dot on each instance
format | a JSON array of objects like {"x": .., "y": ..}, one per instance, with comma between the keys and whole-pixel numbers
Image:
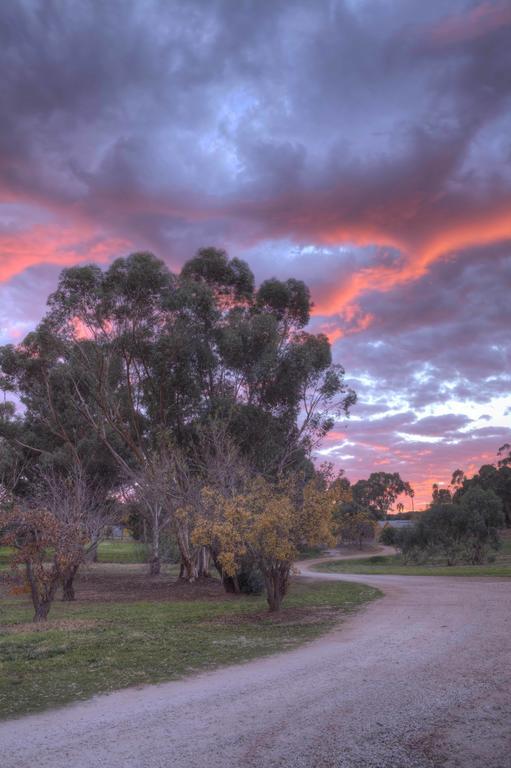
[{"x": 361, "y": 145}]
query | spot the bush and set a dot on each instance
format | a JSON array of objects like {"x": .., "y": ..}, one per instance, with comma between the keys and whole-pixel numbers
[
  {"x": 388, "y": 536},
  {"x": 251, "y": 581},
  {"x": 457, "y": 532}
]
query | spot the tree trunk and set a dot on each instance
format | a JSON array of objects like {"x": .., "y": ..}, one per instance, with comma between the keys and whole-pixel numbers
[
  {"x": 188, "y": 570},
  {"x": 478, "y": 553},
  {"x": 68, "y": 589},
  {"x": 92, "y": 554},
  {"x": 155, "y": 562},
  {"x": 202, "y": 563},
  {"x": 276, "y": 580},
  {"x": 42, "y": 593},
  {"x": 273, "y": 596},
  {"x": 230, "y": 584},
  {"x": 42, "y": 610}
]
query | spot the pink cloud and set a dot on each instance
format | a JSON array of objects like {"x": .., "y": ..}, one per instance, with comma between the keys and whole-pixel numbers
[
  {"x": 52, "y": 244},
  {"x": 477, "y": 22}
]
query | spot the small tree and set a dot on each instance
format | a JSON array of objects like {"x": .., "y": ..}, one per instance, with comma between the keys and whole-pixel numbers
[
  {"x": 45, "y": 549},
  {"x": 167, "y": 493},
  {"x": 355, "y": 525},
  {"x": 269, "y": 522},
  {"x": 389, "y": 536},
  {"x": 80, "y": 505}
]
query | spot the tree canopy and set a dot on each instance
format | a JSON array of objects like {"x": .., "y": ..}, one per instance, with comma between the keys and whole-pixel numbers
[
  {"x": 131, "y": 364},
  {"x": 495, "y": 477}
]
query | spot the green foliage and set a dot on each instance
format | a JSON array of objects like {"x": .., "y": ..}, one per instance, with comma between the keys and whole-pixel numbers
[
  {"x": 250, "y": 580},
  {"x": 490, "y": 477},
  {"x": 440, "y": 495},
  {"x": 379, "y": 492},
  {"x": 388, "y": 536},
  {"x": 459, "y": 532},
  {"x": 230, "y": 278},
  {"x": 135, "y": 352},
  {"x": 289, "y": 301},
  {"x": 131, "y": 363}
]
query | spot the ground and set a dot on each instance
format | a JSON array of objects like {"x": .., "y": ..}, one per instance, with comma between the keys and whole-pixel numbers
[
  {"x": 387, "y": 562},
  {"x": 418, "y": 679},
  {"x": 127, "y": 629}
]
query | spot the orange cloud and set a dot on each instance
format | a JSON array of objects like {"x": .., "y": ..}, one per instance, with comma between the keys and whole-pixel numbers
[
  {"x": 336, "y": 435},
  {"x": 476, "y": 229},
  {"x": 352, "y": 315},
  {"x": 54, "y": 245}
]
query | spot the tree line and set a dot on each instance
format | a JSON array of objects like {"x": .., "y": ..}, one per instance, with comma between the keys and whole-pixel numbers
[{"x": 461, "y": 524}]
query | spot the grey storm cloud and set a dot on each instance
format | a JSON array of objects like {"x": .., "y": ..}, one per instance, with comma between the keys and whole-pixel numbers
[
  {"x": 244, "y": 119},
  {"x": 447, "y": 327},
  {"x": 362, "y": 146}
]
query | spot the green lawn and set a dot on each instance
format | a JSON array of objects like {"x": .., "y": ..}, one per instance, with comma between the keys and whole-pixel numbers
[
  {"x": 122, "y": 551},
  {"x": 311, "y": 554},
  {"x": 110, "y": 551},
  {"x": 393, "y": 564},
  {"x": 97, "y": 647},
  {"x": 5, "y": 554}
]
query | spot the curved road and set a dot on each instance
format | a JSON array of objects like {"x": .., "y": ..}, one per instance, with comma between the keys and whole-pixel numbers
[{"x": 418, "y": 679}]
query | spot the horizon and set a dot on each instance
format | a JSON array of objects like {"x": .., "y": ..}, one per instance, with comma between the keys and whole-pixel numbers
[{"x": 360, "y": 147}]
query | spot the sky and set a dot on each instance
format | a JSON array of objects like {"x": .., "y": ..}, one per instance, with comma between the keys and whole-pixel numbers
[{"x": 363, "y": 146}]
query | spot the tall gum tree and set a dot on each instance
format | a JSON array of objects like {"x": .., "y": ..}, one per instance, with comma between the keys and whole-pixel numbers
[{"x": 145, "y": 358}]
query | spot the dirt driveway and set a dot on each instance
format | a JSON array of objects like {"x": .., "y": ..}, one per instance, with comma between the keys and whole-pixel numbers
[{"x": 420, "y": 678}]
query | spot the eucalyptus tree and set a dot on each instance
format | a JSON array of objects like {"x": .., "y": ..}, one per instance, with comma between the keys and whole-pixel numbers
[
  {"x": 134, "y": 376},
  {"x": 137, "y": 360},
  {"x": 13, "y": 457},
  {"x": 496, "y": 478},
  {"x": 274, "y": 382},
  {"x": 379, "y": 492}
]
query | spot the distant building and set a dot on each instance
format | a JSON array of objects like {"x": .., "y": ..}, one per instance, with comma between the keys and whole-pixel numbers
[{"x": 119, "y": 532}]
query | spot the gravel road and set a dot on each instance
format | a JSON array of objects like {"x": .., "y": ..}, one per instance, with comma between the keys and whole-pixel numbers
[{"x": 418, "y": 679}]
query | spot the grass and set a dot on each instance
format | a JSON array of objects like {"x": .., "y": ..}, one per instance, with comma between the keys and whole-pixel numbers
[
  {"x": 109, "y": 551},
  {"x": 311, "y": 553},
  {"x": 122, "y": 551},
  {"x": 98, "y": 647},
  {"x": 393, "y": 565},
  {"x": 5, "y": 554}
]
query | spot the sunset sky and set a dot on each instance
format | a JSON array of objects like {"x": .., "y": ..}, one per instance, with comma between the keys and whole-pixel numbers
[{"x": 361, "y": 145}]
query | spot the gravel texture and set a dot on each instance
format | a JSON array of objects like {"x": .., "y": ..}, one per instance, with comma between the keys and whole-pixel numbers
[{"x": 418, "y": 679}]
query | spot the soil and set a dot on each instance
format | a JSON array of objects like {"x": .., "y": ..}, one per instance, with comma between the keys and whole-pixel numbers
[{"x": 113, "y": 583}]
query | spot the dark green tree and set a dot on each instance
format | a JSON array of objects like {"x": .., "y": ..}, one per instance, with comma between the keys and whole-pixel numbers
[
  {"x": 378, "y": 493},
  {"x": 440, "y": 495},
  {"x": 137, "y": 360},
  {"x": 496, "y": 478},
  {"x": 464, "y": 531}
]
